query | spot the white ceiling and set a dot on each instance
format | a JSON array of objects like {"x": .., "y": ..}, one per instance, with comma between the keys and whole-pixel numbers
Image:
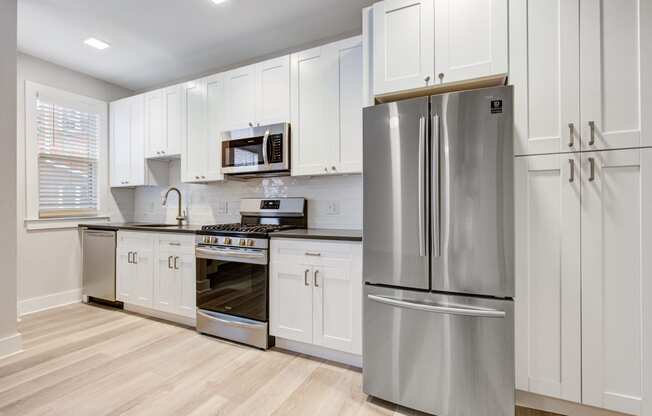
[{"x": 156, "y": 42}]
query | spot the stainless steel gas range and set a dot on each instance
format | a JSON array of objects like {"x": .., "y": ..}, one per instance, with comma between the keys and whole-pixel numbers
[{"x": 233, "y": 270}]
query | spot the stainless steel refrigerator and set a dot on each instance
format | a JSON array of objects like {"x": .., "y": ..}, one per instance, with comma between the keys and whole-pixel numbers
[{"x": 439, "y": 253}]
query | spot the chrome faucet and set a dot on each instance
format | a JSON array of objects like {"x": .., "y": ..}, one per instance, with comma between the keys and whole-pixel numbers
[{"x": 181, "y": 215}]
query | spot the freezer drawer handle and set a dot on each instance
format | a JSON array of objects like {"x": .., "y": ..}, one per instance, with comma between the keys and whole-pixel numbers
[{"x": 478, "y": 313}]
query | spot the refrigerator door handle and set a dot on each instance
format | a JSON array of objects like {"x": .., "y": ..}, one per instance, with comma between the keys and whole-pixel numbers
[
  {"x": 449, "y": 310},
  {"x": 435, "y": 186},
  {"x": 422, "y": 185}
]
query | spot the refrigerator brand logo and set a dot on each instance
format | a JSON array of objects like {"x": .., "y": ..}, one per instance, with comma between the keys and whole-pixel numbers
[{"x": 496, "y": 106}]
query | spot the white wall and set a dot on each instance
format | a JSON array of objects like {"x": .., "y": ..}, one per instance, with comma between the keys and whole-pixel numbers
[
  {"x": 49, "y": 260},
  {"x": 9, "y": 339},
  {"x": 206, "y": 203}
]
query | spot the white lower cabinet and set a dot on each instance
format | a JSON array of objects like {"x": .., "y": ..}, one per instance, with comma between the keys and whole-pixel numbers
[
  {"x": 316, "y": 293},
  {"x": 584, "y": 293},
  {"x": 157, "y": 271}
]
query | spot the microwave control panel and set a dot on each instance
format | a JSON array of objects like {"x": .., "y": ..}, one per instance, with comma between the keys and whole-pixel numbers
[{"x": 276, "y": 148}]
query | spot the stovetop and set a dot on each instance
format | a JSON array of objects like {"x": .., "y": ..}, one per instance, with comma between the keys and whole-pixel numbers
[{"x": 245, "y": 228}]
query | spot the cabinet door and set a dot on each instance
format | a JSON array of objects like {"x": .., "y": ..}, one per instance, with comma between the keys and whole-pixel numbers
[
  {"x": 144, "y": 280},
  {"x": 470, "y": 39},
  {"x": 544, "y": 69},
  {"x": 216, "y": 114},
  {"x": 166, "y": 290},
  {"x": 241, "y": 97},
  {"x": 291, "y": 301},
  {"x": 616, "y": 64},
  {"x": 404, "y": 41},
  {"x": 193, "y": 101},
  {"x": 337, "y": 303},
  {"x": 154, "y": 124},
  {"x": 124, "y": 274},
  {"x": 185, "y": 266},
  {"x": 137, "y": 143},
  {"x": 349, "y": 146},
  {"x": 315, "y": 110},
  {"x": 172, "y": 120},
  {"x": 616, "y": 205},
  {"x": 548, "y": 330},
  {"x": 120, "y": 135},
  {"x": 273, "y": 91}
]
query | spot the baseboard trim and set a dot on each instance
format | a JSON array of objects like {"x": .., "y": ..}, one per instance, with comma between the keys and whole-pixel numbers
[
  {"x": 54, "y": 300},
  {"x": 320, "y": 352},
  {"x": 562, "y": 407},
  {"x": 143, "y": 310},
  {"x": 11, "y": 345}
]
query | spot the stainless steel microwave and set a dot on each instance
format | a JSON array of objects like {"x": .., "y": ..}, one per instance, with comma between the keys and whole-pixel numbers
[{"x": 257, "y": 151}]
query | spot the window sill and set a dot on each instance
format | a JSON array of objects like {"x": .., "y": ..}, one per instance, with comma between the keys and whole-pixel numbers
[{"x": 63, "y": 223}]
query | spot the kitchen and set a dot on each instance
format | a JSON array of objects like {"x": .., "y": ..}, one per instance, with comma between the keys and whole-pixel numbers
[{"x": 340, "y": 207}]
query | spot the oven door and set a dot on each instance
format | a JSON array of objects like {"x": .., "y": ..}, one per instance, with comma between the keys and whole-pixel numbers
[
  {"x": 257, "y": 149},
  {"x": 233, "y": 281}
]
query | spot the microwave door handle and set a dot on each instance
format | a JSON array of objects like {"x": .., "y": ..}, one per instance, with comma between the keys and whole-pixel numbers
[{"x": 265, "y": 141}]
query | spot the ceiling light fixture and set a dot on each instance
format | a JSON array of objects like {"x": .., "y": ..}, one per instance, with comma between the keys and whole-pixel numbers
[
  {"x": 96, "y": 43},
  {"x": 219, "y": 1}
]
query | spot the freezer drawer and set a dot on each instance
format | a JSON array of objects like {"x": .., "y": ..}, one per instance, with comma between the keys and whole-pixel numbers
[{"x": 442, "y": 354}]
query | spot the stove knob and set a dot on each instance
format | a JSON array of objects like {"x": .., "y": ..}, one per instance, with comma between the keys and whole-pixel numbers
[
  {"x": 207, "y": 239},
  {"x": 227, "y": 241},
  {"x": 213, "y": 240},
  {"x": 243, "y": 242},
  {"x": 251, "y": 243}
]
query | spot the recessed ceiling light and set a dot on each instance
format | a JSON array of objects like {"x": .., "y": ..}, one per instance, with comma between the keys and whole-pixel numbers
[
  {"x": 219, "y": 1},
  {"x": 96, "y": 43}
]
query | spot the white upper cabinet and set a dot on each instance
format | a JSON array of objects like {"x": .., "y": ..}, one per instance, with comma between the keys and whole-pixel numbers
[
  {"x": 616, "y": 286},
  {"x": 327, "y": 97},
  {"x": 470, "y": 39},
  {"x": 241, "y": 97},
  {"x": 608, "y": 43},
  {"x": 421, "y": 43},
  {"x": 215, "y": 119},
  {"x": 127, "y": 143},
  {"x": 547, "y": 301},
  {"x": 273, "y": 91},
  {"x": 404, "y": 45},
  {"x": 163, "y": 122}
]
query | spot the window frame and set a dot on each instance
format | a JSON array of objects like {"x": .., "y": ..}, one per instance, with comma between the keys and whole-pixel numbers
[{"x": 63, "y": 98}]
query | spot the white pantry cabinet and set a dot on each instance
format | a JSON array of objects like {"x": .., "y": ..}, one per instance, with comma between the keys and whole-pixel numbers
[
  {"x": 316, "y": 293},
  {"x": 548, "y": 343},
  {"x": 258, "y": 94},
  {"x": 610, "y": 45},
  {"x": 157, "y": 271},
  {"x": 421, "y": 43},
  {"x": 327, "y": 96},
  {"x": 128, "y": 167},
  {"x": 584, "y": 297},
  {"x": 203, "y": 115},
  {"x": 163, "y": 122}
]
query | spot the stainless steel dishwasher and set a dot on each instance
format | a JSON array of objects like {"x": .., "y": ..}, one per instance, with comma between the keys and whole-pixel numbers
[{"x": 98, "y": 253}]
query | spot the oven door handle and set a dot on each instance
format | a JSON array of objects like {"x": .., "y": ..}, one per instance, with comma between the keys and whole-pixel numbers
[
  {"x": 227, "y": 322},
  {"x": 231, "y": 255}
]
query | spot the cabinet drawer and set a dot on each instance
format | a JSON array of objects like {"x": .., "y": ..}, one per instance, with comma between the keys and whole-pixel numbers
[
  {"x": 179, "y": 243},
  {"x": 315, "y": 252},
  {"x": 135, "y": 239}
]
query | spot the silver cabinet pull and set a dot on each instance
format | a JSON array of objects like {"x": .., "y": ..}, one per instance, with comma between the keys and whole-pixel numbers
[
  {"x": 129, "y": 260},
  {"x": 313, "y": 253},
  {"x": 592, "y": 137},
  {"x": 305, "y": 277},
  {"x": 444, "y": 309},
  {"x": 441, "y": 77},
  {"x": 571, "y": 134},
  {"x": 422, "y": 185},
  {"x": 314, "y": 275},
  {"x": 174, "y": 243},
  {"x": 135, "y": 257},
  {"x": 169, "y": 262},
  {"x": 176, "y": 259},
  {"x": 427, "y": 79},
  {"x": 572, "y": 170},
  {"x": 592, "y": 167}
]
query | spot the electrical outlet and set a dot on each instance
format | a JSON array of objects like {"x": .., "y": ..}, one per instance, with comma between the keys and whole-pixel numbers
[{"x": 333, "y": 208}]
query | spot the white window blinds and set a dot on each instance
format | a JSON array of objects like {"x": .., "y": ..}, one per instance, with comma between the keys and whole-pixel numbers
[{"x": 68, "y": 157}]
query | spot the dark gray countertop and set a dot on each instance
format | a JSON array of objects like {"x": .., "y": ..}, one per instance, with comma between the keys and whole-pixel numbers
[
  {"x": 320, "y": 234},
  {"x": 132, "y": 226}
]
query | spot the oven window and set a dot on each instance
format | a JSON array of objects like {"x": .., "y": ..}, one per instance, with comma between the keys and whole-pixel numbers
[
  {"x": 243, "y": 152},
  {"x": 233, "y": 288}
]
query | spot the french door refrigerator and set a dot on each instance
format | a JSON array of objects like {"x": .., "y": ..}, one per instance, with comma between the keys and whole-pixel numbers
[{"x": 438, "y": 253}]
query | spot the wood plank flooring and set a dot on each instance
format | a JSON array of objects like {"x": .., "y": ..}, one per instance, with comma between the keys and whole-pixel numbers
[{"x": 90, "y": 360}]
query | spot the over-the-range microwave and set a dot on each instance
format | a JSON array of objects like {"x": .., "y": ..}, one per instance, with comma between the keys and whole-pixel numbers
[{"x": 257, "y": 151}]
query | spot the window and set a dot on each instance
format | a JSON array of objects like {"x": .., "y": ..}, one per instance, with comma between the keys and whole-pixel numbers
[{"x": 66, "y": 158}]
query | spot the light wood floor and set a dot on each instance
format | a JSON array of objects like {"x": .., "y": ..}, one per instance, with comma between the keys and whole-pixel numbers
[{"x": 88, "y": 360}]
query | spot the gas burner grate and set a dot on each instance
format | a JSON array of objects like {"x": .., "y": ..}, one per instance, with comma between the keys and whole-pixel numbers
[{"x": 246, "y": 228}]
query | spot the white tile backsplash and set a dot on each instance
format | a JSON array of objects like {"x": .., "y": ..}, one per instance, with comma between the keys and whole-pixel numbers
[{"x": 220, "y": 202}]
